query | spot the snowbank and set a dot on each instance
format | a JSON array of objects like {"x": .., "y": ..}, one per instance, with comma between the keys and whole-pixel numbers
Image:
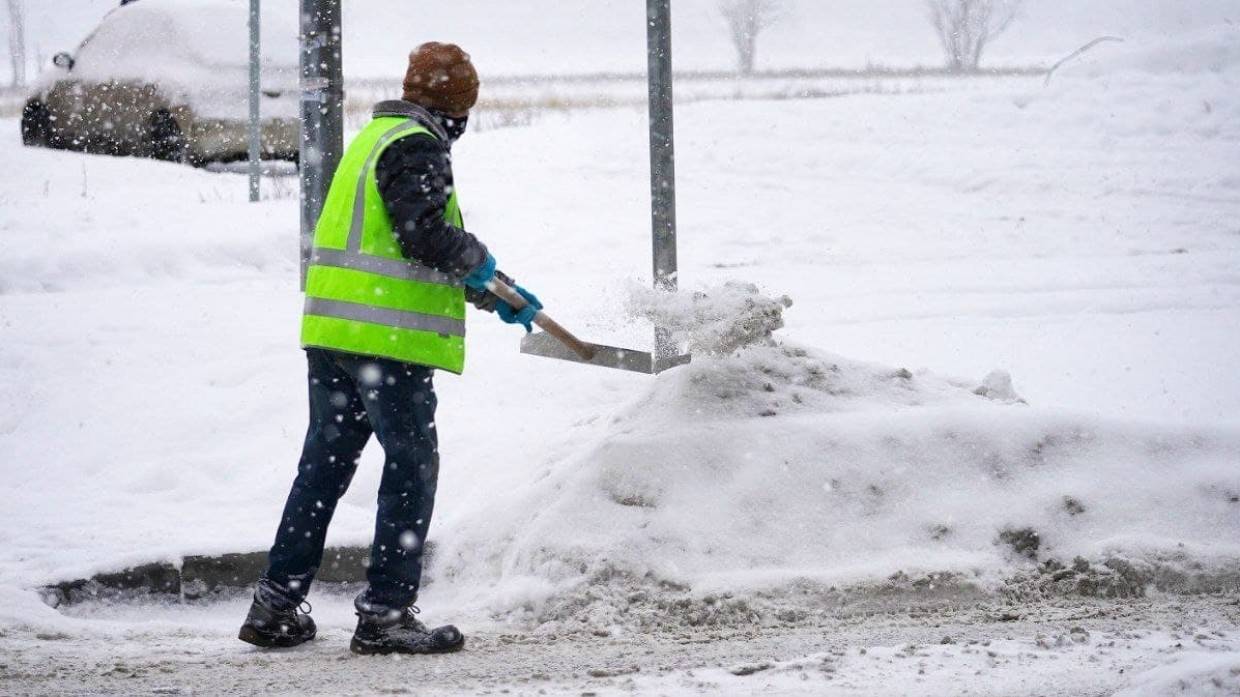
[
  {"x": 96, "y": 213},
  {"x": 1150, "y": 91},
  {"x": 1214, "y": 49},
  {"x": 773, "y": 465},
  {"x": 1199, "y": 675}
]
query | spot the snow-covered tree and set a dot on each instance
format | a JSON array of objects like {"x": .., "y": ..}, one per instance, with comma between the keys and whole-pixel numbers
[
  {"x": 966, "y": 27},
  {"x": 746, "y": 19},
  {"x": 17, "y": 41}
]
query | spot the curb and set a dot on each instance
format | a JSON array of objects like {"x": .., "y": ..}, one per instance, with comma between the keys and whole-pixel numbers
[{"x": 198, "y": 576}]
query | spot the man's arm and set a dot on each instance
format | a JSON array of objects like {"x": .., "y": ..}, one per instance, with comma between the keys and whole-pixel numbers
[{"x": 415, "y": 180}]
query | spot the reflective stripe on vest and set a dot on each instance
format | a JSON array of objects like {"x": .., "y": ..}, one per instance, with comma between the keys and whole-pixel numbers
[
  {"x": 378, "y": 315},
  {"x": 362, "y": 295}
]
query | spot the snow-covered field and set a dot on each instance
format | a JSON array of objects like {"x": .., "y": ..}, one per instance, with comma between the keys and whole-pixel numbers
[{"x": 1083, "y": 237}]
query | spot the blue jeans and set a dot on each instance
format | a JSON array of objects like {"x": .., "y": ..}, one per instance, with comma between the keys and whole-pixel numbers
[{"x": 352, "y": 397}]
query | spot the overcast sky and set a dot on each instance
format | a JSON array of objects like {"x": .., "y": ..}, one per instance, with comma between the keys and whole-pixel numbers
[{"x": 553, "y": 36}]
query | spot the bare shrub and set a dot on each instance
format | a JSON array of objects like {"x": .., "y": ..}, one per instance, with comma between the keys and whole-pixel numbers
[
  {"x": 966, "y": 27},
  {"x": 746, "y": 19}
]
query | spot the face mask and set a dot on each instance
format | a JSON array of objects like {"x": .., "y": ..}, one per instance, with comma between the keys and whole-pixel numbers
[{"x": 455, "y": 126}]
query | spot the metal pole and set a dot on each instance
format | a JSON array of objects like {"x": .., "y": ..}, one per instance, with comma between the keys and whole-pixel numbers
[
  {"x": 322, "y": 112},
  {"x": 255, "y": 91},
  {"x": 662, "y": 153}
]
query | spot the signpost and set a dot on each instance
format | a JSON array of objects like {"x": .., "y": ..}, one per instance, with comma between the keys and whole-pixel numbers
[
  {"x": 662, "y": 213},
  {"x": 662, "y": 155},
  {"x": 255, "y": 93},
  {"x": 322, "y": 112}
]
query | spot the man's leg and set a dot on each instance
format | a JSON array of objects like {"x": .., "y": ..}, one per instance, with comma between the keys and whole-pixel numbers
[
  {"x": 400, "y": 402},
  {"x": 337, "y": 434},
  {"x": 334, "y": 440}
]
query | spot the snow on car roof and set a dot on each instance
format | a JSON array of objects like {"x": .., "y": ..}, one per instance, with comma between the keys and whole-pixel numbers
[
  {"x": 162, "y": 39},
  {"x": 195, "y": 51}
]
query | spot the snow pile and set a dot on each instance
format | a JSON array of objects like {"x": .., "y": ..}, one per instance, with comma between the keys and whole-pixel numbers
[
  {"x": 1212, "y": 50},
  {"x": 772, "y": 466},
  {"x": 105, "y": 237},
  {"x": 1199, "y": 675},
  {"x": 1173, "y": 94},
  {"x": 998, "y": 386}
]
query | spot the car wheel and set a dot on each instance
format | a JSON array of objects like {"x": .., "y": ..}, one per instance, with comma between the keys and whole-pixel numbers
[
  {"x": 165, "y": 139},
  {"x": 36, "y": 124}
]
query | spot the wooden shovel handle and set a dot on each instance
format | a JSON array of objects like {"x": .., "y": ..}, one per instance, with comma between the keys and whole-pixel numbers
[{"x": 512, "y": 297}]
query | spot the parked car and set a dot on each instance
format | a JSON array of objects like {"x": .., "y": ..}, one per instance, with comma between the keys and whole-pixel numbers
[{"x": 170, "y": 79}]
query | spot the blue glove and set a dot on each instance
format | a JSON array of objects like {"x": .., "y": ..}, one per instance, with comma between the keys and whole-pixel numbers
[
  {"x": 524, "y": 316},
  {"x": 478, "y": 278}
]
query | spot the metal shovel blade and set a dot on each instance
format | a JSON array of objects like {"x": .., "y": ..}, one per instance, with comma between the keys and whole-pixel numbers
[{"x": 547, "y": 346}]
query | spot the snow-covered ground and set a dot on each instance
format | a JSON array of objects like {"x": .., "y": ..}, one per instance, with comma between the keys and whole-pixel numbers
[
  {"x": 1081, "y": 236},
  {"x": 1158, "y": 648}
]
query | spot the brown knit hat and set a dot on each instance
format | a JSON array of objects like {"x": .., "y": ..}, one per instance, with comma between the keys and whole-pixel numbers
[{"x": 441, "y": 77}]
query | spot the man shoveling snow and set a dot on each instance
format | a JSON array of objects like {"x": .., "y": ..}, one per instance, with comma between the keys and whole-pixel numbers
[{"x": 390, "y": 273}]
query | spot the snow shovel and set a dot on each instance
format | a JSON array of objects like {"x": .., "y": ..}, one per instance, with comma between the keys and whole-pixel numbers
[{"x": 557, "y": 342}]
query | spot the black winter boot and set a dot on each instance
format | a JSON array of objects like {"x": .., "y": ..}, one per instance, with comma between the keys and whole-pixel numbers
[
  {"x": 384, "y": 630},
  {"x": 274, "y": 620}
]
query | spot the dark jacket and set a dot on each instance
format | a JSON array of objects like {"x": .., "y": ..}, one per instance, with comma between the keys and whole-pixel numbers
[{"x": 414, "y": 175}]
